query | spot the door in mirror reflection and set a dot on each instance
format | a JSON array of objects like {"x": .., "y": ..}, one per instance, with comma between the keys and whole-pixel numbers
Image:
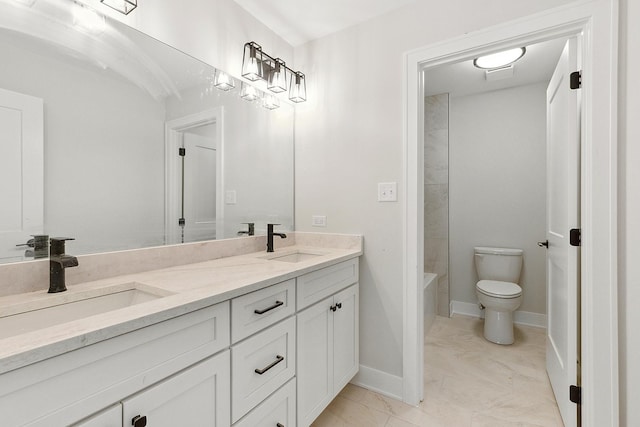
[
  {"x": 199, "y": 183},
  {"x": 21, "y": 173}
]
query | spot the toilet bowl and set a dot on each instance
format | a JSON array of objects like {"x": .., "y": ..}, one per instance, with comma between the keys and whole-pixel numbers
[
  {"x": 500, "y": 300},
  {"x": 498, "y": 291}
]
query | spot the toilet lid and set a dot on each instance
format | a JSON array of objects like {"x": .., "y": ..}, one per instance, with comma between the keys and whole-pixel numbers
[{"x": 495, "y": 288}]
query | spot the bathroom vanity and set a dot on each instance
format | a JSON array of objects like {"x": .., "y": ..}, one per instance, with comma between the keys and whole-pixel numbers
[{"x": 247, "y": 340}]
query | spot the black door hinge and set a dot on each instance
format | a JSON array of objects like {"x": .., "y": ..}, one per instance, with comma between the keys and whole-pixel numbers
[
  {"x": 575, "y": 394},
  {"x": 182, "y": 151},
  {"x": 575, "y": 237},
  {"x": 575, "y": 80},
  {"x": 181, "y": 222}
]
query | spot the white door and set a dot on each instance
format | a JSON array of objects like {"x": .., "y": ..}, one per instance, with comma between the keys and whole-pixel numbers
[
  {"x": 21, "y": 172},
  {"x": 199, "y": 185},
  {"x": 563, "y": 190}
]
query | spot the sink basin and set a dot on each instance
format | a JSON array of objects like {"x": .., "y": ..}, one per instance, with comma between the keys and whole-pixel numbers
[
  {"x": 54, "y": 309},
  {"x": 294, "y": 256}
]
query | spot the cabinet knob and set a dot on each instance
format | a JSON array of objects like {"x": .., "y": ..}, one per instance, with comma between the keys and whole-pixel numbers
[
  {"x": 279, "y": 425},
  {"x": 339, "y": 305},
  {"x": 139, "y": 421}
]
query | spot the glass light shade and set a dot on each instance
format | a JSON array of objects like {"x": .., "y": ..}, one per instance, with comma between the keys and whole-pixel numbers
[
  {"x": 88, "y": 20},
  {"x": 252, "y": 62},
  {"x": 499, "y": 59},
  {"x": 223, "y": 81},
  {"x": 298, "y": 88},
  {"x": 278, "y": 77},
  {"x": 270, "y": 102},
  {"x": 122, "y": 6},
  {"x": 248, "y": 92}
]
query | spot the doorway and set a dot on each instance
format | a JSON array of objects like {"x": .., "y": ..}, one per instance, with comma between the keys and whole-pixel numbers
[
  {"x": 498, "y": 168},
  {"x": 194, "y": 150},
  {"x": 596, "y": 22}
]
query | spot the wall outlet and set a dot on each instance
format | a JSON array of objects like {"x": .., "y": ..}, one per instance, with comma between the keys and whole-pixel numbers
[
  {"x": 387, "y": 191},
  {"x": 319, "y": 221},
  {"x": 230, "y": 197}
]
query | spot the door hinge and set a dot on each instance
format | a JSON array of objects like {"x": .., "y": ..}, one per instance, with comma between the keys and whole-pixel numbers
[
  {"x": 575, "y": 237},
  {"x": 182, "y": 151},
  {"x": 181, "y": 222},
  {"x": 575, "y": 80},
  {"x": 575, "y": 394}
]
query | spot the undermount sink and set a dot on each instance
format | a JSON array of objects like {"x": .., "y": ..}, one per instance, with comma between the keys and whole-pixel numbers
[
  {"x": 55, "y": 309},
  {"x": 293, "y": 256}
]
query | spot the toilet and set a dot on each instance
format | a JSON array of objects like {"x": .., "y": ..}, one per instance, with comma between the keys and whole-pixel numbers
[{"x": 498, "y": 291}]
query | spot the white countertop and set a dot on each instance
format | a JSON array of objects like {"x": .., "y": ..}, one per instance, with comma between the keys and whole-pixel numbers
[{"x": 189, "y": 287}]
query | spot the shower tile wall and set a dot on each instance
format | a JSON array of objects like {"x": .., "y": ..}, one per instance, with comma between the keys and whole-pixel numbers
[{"x": 436, "y": 195}]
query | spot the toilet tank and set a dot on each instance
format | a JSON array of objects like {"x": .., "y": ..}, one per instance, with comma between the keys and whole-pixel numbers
[{"x": 503, "y": 264}]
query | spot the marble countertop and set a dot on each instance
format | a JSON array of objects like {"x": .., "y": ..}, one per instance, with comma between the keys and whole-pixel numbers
[{"x": 187, "y": 288}]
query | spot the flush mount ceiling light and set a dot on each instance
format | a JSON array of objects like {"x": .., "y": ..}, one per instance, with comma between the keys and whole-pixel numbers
[
  {"x": 122, "y": 6},
  {"x": 258, "y": 65},
  {"x": 499, "y": 59}
]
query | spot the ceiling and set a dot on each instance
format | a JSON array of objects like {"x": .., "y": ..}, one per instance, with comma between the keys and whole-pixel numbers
[
  {"x": 463, "y": 78},
  {"x": 300, "y": 21}
]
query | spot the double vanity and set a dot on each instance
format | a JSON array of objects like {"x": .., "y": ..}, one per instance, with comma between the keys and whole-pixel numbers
[{"x": 245, "y": 338}]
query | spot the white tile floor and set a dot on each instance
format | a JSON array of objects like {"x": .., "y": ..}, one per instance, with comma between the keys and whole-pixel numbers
[{"x": 469, "y": 382}]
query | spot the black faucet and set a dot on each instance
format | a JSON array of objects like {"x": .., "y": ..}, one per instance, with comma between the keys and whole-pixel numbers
[
  {"x": 58, "y": 261},
  {"x": 270, "y": 235},
  {"x": 251, "y": 231}
]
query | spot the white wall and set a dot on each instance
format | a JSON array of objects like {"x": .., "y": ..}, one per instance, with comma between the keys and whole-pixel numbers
[
  {"x": 629, "y": 213},
  {"x": 349, "y": 138},
  {"x": 497, "y": 179}
]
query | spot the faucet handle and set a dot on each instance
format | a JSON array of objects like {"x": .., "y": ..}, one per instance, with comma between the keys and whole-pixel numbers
[{"x": 57, "y": 245}]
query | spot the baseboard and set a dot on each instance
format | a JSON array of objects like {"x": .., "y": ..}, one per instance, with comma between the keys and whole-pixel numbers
[
  {"x": 379, "y": 381},
  {"x": 520, "y": 317}
]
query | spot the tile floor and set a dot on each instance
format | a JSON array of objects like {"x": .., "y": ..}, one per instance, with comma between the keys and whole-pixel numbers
[{"x": 469, "y": 382}]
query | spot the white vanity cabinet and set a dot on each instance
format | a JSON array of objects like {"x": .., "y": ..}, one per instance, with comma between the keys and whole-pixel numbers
[
  {"x": 197, "y": 396},
  {"x": 66, "y": 389},
  {"x": 327, "y": 341}
]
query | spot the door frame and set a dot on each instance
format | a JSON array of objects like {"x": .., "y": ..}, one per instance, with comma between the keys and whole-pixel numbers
[
  {"x": 597, "y": 20},
  {"x": 173, "y": 140}
]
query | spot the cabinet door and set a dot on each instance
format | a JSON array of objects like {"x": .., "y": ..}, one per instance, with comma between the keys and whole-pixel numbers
[
  {"x": 345, "y": 337},
  {"x": 111, "y": 417},
  {"x": 315, "y": 360},
  {"x": 197, "y": 396}
]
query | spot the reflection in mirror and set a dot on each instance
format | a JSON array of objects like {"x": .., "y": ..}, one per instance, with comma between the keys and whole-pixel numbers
[{"x": 94, "y": 119}]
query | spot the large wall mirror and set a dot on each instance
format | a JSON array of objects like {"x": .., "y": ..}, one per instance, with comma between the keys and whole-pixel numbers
[{"x": 93, "y": 118}]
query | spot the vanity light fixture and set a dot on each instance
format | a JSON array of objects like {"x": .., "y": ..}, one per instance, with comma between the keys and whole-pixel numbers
[
  {"x": 270, "y": 102},
  {"x": 298, "y": 89},
  {"x": 499, "y": 59},
  {"x": 123, "y": 6},
  {"x": 223, "y": 81},
  {"x": 248, "y": 92},
  {"x": 258, "y": 65}
]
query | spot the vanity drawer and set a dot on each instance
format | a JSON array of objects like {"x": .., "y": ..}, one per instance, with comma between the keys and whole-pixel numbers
[
  {"x": 317, "y": 285},
  {"x": 278, "y": 409},
  {"x": 260, "y": 365},
  {"x": 253, "y": 312}
]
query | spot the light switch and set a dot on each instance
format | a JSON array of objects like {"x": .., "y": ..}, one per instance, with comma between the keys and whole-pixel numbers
[
  {"x": 387, "y": 191},
  {"x": 230, "y": 197},
  {"x": 319, "y": 221}
]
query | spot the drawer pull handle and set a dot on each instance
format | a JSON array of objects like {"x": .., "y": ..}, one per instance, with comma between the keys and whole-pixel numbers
[
  {"x": 263, "y": 311},
  {"x": 139, "y": 421},
  {"x": 339, "y": 305},
  {"x": 265, "y": 369},
  {"x": 335, "y": 307},
  {"x": 279, "y": 425}
]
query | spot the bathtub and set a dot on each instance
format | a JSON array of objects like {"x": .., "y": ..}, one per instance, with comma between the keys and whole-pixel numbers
[{"x": 430, "y": 299}]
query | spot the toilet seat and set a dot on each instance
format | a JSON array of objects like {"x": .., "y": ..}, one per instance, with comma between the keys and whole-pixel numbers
[{"x": 497, "y": 289}]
